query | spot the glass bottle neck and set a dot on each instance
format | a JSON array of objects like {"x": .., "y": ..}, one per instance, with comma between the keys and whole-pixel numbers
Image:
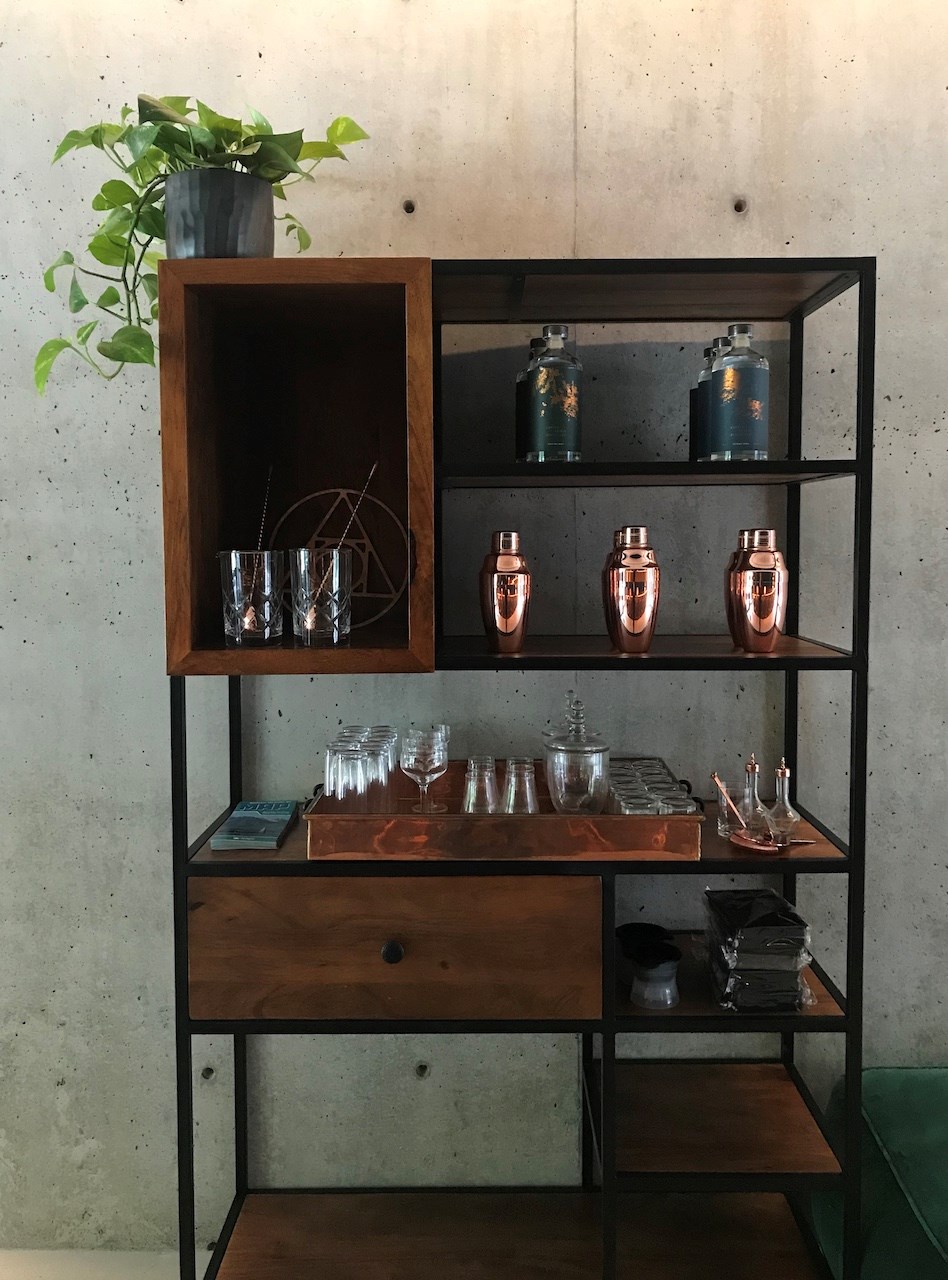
[
  {"x": 750, "y": 787},
  {"x": 783, "y": 789},
  {"x": 740, "y": 340}
]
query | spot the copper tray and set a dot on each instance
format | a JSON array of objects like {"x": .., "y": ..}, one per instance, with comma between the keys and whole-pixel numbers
[{"x": 333, "y": 831}]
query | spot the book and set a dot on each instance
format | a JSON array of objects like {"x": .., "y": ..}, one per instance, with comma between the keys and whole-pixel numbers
[{"x": 256, "y": 824}]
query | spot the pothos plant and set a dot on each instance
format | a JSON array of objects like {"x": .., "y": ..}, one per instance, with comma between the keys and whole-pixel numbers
[{"x": 169, "y": 136}]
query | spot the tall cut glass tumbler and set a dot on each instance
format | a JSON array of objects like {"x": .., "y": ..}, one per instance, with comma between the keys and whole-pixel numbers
[
  {"x": 252, "y": 589},
  {"x": 321, "y": 586}
]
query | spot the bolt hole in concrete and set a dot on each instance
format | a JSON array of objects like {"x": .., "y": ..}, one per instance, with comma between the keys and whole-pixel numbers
[
  {"x": 408, "y": 206},
  {"x": 740, "y": 205},
  {"x": 422, "y": 1071},
  {"x": 207, "y": 1073}
]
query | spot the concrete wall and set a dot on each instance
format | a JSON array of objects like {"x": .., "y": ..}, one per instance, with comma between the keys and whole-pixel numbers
[{"x": 589, "y": 128}]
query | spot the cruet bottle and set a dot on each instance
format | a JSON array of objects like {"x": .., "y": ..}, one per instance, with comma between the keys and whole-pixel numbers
[
  {"x": 751, "y": 808},
  {"x": 782, "y": 819}
]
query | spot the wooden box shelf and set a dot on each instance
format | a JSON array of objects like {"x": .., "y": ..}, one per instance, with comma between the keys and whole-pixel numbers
[
  {"x": 317, "y": 369},
  {"x": 716, "y": 1118}
]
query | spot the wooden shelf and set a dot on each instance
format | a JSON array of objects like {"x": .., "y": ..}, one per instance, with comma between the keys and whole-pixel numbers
[
  {"x": 415, "y": 1236},
  {"x": 608, "y": 475},
  {"x": 283, "y": 660},
  {"x": 715, "y": 1118},
  {"x": 698, "y": 1006},
  {"x": 711, "y": 1237},
  {"x": 717, "y": 855},
  {"x": 668, "y": 653},
  {"x": 637, "y": 290}
]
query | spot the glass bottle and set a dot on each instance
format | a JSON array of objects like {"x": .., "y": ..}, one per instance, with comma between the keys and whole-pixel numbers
[
  {"x": 555, "y": 391},
  {"x": 782, "y": 819},
  {"x": 751, "y": 808},
  {"x": 719, "y": 347},
  {"x": 740, "y": 396},
  {"x": 700, "y": 402},
  {"x": 577, "y": 765},
  {"x": 522, "y": 405}
]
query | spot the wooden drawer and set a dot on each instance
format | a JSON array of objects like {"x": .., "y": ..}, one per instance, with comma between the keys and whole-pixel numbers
[{"x": 473, "y": 947}]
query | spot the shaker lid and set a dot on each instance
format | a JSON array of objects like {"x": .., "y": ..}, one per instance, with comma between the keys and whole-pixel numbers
[
  {"x": 505, "y": 540},
  {"x": 758, "y": 539},
  {"x": 632, "y": 535},
  {"x": 574, "y": 736}
]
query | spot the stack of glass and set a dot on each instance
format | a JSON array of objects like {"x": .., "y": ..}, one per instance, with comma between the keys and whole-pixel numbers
[
  {"x": 360, "y": 761},
  {"x": 645, "y": 785},
  {"x": 758, "y": 947}
]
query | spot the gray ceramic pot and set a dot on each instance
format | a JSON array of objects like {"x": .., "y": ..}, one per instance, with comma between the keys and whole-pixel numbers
[{"x": 218, "y": 213}]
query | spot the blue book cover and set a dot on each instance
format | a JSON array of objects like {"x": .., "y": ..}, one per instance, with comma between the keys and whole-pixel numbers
[{"x": 256, "y": 824}]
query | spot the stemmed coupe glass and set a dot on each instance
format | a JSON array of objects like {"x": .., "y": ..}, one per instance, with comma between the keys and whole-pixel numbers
[{"x": 424, "y": 757}]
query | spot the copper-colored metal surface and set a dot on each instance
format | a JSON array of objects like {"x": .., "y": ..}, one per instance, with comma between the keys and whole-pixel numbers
[
  {"x": 757, "y": 592},
  {"x": 505, "y": 593},
  {"x": 631, "y": 581}
]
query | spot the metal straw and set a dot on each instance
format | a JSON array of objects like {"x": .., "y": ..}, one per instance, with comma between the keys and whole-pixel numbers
[
  {"x": 345, "y": 531},
  {"x": 263, "y": 521}
]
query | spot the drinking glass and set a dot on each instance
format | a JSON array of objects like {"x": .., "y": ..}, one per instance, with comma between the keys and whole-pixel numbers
[
  {"x": 424, "y": 757},
  {"x": 727, "y": 823},
  {"x": 321, "y": 592},
  {"x": 347, "y": 773},
  {"x": 252, "y": 588},
  {"x": 480, "y": 786},
  {"x": 520, "y": 787}
]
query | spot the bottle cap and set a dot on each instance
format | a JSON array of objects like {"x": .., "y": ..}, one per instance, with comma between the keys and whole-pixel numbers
[
  {"x": 556, "y": 331},
  {"x": 752, "y": 766},
  {"x": 708, "y": 351},
  {"x": 631, "y": 535},
  {"x": 734, "y": 329},
  {"x": 505, "y": 540},
  {"x": 537, "y": 343},
  {"x": 722, "y": 341},
  {"x": 757, "y": 540},
  {"x": 782, "y": 770}
]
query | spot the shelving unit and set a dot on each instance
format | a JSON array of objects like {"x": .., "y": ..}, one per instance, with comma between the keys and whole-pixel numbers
[{"x": 691, "y": 1169}]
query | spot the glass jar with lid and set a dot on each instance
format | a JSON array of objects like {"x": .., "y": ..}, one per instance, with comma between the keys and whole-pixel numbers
[{"x": 577, "y": 765}]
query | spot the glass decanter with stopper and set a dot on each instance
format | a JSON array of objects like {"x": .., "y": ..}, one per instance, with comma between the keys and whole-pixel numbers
[
  {"x": 522, "y": 405},
  {"x": 577, "y": 764},
  {"x": 782, "y": 819},
  {"x": 555, "y": 398},
  {"x": 751, "y": 807},
  {"x": 740, "y": 397}
]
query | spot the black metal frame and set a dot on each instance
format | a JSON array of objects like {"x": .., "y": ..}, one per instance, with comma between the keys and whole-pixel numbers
[{"x": 598, "y": 1072}]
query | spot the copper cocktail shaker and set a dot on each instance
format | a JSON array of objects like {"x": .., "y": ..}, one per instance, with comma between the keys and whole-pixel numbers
[
  {"x": 630, "y": 589},
  {"x": 505, "y": 593},
  {"x": 756, "y": 592}
]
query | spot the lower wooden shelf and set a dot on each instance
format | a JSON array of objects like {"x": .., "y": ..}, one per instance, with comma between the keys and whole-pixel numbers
[
  {"x": 716, "y": 1118},
  {"x": 402, "y": 1235},
  {"x": 711, "y": 1237}
]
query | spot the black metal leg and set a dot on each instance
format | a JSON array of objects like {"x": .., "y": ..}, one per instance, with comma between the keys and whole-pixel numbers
[
  {"x": 241, "y": 1169},
  {"x": 608, "y": 1111},
  {"x": 179, "y": 851}
]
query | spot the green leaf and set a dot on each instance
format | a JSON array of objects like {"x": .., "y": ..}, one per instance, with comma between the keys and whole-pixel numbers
[
  {"x": 149, "y": 283},
  {"x": 178, "y": 104},
  {"x": 44, "y": 360},
  {"x": 154, "y": 310},
  {"x": 140, "y": 138},
  {"x": 111, "y": 253},
  {"x": 290, "y": 142},
  {"x": 278, "y": 191},
  {"x": 108, "y": 298},
  {"x": 152, "y": 222},
  {"x": 225, "y": 128},
  {"x": 130, "y": 345},
  {"x": 320, "y": 151},
  {"x": 74, "y": 138},
  {"x": 260, "y": 122},
  {"x": 84, "y": 332},
  {"x": 117, "y": 223},
  {"x": 152, "y": 258},
  {"x": 49, "y": 278},
  {"x": 173, "y": 109},
  {"x": 304, "y": 237},
  {"x": 114, "y": 194},
  {"x": 343, "y": 130},
  {"x": 126, "y": 112},
  {"x": 77, "y": 299},
  {"x": 105, "y": 135},
  {"x": 273, "y": 162}
]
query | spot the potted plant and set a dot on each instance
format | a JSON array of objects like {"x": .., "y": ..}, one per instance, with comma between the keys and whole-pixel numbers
[{"x": 198, "y": 181}]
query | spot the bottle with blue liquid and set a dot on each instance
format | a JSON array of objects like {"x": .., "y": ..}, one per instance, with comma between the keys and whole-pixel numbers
[{"x": 740, "y": 401}]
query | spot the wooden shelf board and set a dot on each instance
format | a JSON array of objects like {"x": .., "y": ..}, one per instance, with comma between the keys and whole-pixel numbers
[
  {"x": 698, "y": 1000},
  {"x": 591, "y": 475},
  {"x": 415, "y": 1236},
  {"x": 668, "y": 652},
  {"x": 707, "y": 1237},
  {"x": 283, "y": 660},
  {"x": 630, "y": 290},
  {"x": 709, "y": 1117}
]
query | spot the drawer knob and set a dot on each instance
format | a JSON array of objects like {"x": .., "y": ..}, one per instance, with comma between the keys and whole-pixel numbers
[{"x": 392, "y": 952}]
